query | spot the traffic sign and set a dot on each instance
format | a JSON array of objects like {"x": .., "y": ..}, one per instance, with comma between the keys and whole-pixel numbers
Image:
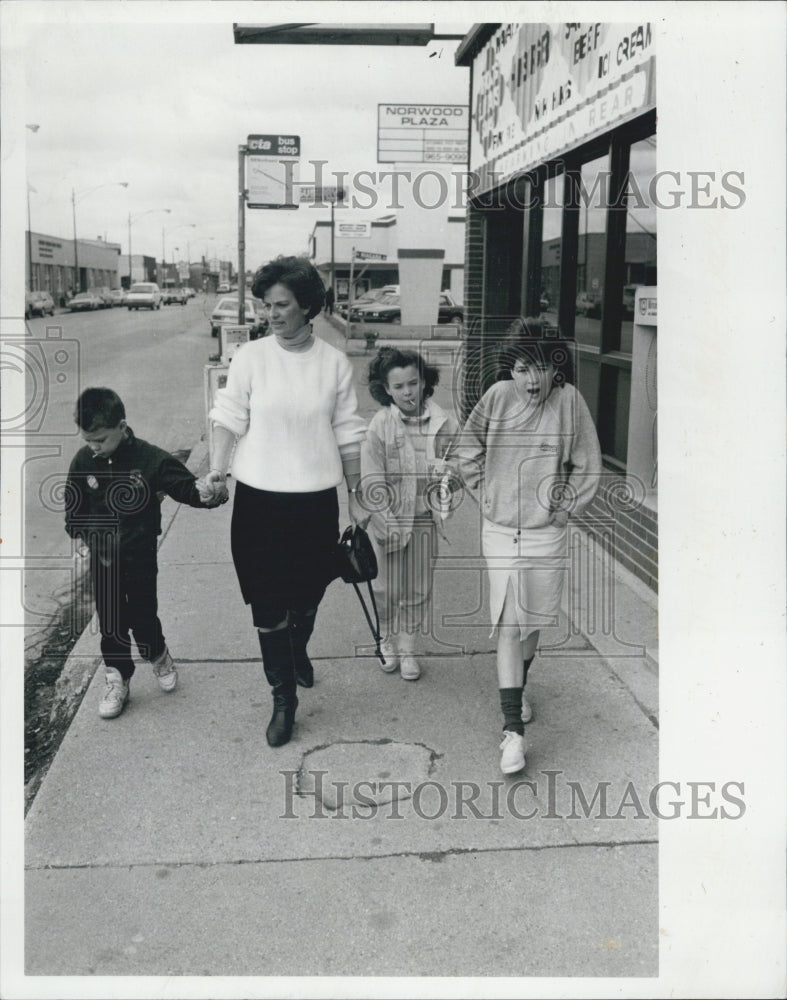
[
  {"x": 312, "y": 193},
  {"x": 366, "y": 255},
  {"x": 271, "y": 170},
  {"x": 274, "y": 145}
]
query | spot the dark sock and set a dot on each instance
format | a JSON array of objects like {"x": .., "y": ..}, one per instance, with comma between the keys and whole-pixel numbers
[
  {"x": 527, "y": 667},
  {"x": 511, "y": 704}
]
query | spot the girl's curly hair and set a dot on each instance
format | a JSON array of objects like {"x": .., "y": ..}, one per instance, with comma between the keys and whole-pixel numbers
[{"x": 393, "y": 357}]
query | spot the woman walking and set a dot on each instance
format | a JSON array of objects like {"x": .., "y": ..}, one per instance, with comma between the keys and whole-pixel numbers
[{"x": 290, "y": 412}]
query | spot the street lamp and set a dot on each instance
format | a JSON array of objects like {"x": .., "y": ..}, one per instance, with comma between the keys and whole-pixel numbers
[
  {"x": 74, "y": 199},
  {"x": 29, "y": 239},
  {"x": 134, "y": 219},
  {"x": 184, "y": 225},
  {"x": 33, "y": 128}
]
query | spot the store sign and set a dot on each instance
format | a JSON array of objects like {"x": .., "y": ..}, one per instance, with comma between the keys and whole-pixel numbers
[
  {"x": 354, "y": 230},
  {"x": 539, "y": 89},
  {"x": 47, "y": 248},
  {"x": 272, "y": 170},
  {"x": 422, "y": 133}
]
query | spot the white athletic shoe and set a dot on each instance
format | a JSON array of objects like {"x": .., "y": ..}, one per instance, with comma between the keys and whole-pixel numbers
[
  {"x": 512, "y": 758},
  {"x": 410, "y": 668},
  {"x": 164, "y": 669},
  {"x": 388, "y": 650},
  {"x": 115, "y": 695}
]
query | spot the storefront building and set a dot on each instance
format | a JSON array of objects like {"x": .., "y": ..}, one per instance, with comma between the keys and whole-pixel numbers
[
  {"x": 376, "y": 261},
  {"x": 142, "y": 269},
  {"x": 562, "y": 225},
  {"x": 56, "y": 266}
]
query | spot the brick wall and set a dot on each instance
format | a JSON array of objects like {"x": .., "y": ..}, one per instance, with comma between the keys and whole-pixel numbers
[
  {"x": 475, "y": 255},
  {"x": 630, "y": 528}
]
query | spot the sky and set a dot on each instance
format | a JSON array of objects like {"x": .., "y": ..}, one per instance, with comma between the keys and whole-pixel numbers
[{"x": 159, "y": 96}]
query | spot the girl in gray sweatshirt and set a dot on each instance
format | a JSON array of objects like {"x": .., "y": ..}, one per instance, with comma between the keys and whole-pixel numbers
[{"x": 530, "y": 457}]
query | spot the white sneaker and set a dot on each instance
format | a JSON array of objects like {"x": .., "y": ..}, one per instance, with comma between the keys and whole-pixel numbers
[
  {"x": 115, "y": 695},
  {"x": 164, "y": 669},
  {"x": 512, "y": 758},
  {"x": 388, "y": 650},
  {"x": 527, "y": 711},
  {"x": 410, "y": 667}
]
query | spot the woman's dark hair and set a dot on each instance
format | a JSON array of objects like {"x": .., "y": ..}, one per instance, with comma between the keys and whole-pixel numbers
[
  {"x": 99, "y": 408},
  {"x": 297, "y": 274},
  {"x": 392, "y": 357},
  {"x": 527, "y": 340}
]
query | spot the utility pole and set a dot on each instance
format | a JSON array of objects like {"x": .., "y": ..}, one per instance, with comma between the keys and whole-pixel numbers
[{"x": 242, "y": 234}]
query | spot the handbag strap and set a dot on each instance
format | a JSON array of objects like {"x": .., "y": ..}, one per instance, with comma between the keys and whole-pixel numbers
[{"x": 375, "y": 628}]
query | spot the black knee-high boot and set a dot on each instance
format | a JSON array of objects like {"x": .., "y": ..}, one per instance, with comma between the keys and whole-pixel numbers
[
  {"x": 278, "y": 666},
  {"x": 301, "y": 626}
]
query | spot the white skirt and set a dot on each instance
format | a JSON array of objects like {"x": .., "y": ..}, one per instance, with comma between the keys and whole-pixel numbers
[{"x": 534, "y": 562}]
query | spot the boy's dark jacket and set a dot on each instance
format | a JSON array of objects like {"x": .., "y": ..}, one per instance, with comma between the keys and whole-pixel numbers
[{"x": 118, "y": 499}]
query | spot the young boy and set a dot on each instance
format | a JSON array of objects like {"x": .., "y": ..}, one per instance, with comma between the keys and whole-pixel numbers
[{"x": 113, "y": 509}]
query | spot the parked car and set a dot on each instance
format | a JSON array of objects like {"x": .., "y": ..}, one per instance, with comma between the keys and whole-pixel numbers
[
  {"x": 174, "y": 296},
  {"x": 144, "y": 295},
  {"x": 190, "y": 293},
  {"x": 588, "y": 304},
  {"x": 369, "y": 300},
  {"x": 118, "y": 296},
  {"x": 105, "y": 294},
  {"x": 223, "y": 288},
  {"x": 388, "y": 310},
  {"x": 226, "y": 312},
  {"x": 39, "y": 304},
  {"x": 372, "y": 295},
  {"x": 84, "y": 302},
  {"x": 449, "y": 310}
]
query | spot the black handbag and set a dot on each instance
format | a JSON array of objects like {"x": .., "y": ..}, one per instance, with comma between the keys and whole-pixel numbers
[{"x": 358, "y": 564}]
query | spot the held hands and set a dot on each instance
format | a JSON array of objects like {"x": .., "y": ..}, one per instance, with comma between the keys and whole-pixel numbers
[
  {"x": 358, "y": 514},
  {"x": 212, "y": 489},
  {"x": 558, "y": 517}
]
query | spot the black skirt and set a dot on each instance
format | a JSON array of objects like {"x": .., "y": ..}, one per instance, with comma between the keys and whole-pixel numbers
[{"x": 284, "y": 546}]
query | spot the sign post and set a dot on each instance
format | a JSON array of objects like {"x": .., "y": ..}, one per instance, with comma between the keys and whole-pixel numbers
[{"x": 266, "y": 168}]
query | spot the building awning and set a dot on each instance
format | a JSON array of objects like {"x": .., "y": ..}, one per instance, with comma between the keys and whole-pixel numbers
[
  {"x": 333, "y": 34},
  {"x": 473, "y": 42}
]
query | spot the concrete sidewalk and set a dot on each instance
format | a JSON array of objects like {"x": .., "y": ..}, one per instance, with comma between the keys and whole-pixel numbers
[{"x": 174, "y": 841}]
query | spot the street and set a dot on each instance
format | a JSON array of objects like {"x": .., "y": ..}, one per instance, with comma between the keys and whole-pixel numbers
[{"x": 154, "y": 361}]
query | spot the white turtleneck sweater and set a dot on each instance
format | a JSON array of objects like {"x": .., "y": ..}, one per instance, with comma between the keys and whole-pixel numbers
[{"x": 295, "y": 414}]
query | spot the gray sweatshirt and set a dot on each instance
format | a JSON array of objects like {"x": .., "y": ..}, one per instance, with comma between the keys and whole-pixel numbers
[{"x": 521, "y": 461}]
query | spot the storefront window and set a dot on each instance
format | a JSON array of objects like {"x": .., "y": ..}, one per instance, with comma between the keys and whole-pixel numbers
[
  {"x": 552, "y": 216},
  {"x": 591, "y": 250},
  {"x": 640, "y": 258}
]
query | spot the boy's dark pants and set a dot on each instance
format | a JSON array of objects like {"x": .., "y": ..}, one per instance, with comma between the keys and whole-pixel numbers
[{"x": 126, "y": 601}]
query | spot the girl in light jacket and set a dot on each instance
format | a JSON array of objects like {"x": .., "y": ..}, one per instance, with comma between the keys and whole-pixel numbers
[
  {"x": 530, "y": 456},
  {"x": 406, "y": 484}
]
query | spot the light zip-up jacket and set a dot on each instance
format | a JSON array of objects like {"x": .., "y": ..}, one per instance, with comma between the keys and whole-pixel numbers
[
  {"x": 388, "y": 470},
  {"x": 520, "y": 462}
]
